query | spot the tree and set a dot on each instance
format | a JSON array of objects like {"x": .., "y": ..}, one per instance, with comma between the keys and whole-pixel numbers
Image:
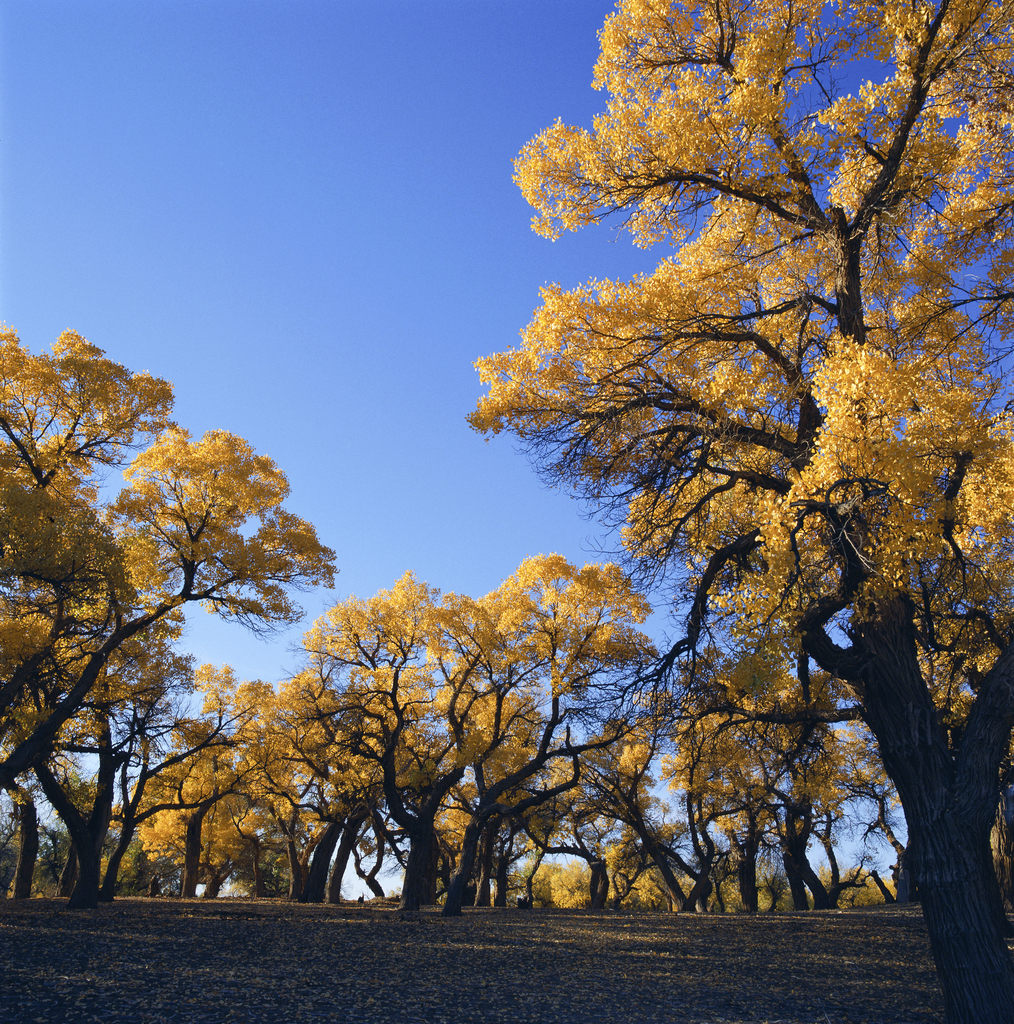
[
  {"x": 82, "y": 576},
  {"x": 800, "y": 417},
  {"x": 546, "y": 645}
]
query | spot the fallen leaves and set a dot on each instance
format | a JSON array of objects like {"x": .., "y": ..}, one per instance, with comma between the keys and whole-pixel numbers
[{"x": 167, "y": 961}]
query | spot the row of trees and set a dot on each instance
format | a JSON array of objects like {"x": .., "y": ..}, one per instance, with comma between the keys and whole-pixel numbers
[{"x": 465, "y": 740}]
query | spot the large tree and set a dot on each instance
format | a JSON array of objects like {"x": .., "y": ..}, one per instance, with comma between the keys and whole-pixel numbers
[{"x": 800, "y": 418}]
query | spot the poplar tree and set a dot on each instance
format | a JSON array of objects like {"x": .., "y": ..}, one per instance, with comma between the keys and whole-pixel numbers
[{"x": 801, "y": 418}]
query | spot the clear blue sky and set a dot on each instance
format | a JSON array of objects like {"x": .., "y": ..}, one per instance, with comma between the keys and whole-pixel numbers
[{"x": 302, "y": 214}]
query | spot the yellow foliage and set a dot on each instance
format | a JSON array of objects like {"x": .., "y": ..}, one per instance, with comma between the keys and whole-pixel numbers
[{"x": 804, "y": 403}]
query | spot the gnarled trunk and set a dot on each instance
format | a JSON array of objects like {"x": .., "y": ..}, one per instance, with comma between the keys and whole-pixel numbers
[
  {"x": 316, "y": 877},
  {"x": 950, "y": 800},
  {"x": 417, "y": 888},
  {"x": 350, "y": 836},
  {"x": 463, "y": 872},
  {"x": 28, "y": 848},
  {"x": 599, "y": 884},
  {"x": 68, "y": 877},
  {"x": 192, "y": 853}
]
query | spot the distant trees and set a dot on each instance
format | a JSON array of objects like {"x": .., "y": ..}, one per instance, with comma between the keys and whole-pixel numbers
[{"x": 88, "y": 583}]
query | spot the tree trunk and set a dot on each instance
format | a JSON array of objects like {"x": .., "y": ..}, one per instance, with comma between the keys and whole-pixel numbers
[
  {"x": 370, "y": 877},
  {"x": 960, "y": 902},
  {"x": 295, "y": 870},
  {"x": 417, "y": 888},
  {"x": 68, "y": 877},
  {"x": 674, "y": 891},
  {"x": 503, "y": 862},
  {"x": 88, "y": 833},
  {"x": 697, "y": 898},
  {"x": 316, "y": 877},
  {"x": 192, "y": 853},
  {"x": 28, "y": 848},
  {"x": 213, "y": 886},
  {"x": 258, "y": 874},
  {"x": 796, "y": 833},
  {"x": 598, "y": 885},
  {"x": 463, "y": 872},
  {"x": 350, "y": 836},
  {"x": 950, "y": 799},
  {"x": 89, "y": 862},
  {"x": 746, "y": 866},
  {"x": 797, "y": 887},
  {"x": 108, "y": 890},
  {"x": 884, "y": 891},
  {"x": 483, "y": 885}
]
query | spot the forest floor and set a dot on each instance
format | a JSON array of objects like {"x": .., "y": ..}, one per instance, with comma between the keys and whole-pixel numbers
[{"x": 241, "y": 960}]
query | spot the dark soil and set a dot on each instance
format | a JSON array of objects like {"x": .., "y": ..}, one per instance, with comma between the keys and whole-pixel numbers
[{"x": 153, "y": 961}]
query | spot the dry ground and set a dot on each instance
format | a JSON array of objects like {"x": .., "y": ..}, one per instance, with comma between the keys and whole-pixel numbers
[{"x": 153, "y": 961}]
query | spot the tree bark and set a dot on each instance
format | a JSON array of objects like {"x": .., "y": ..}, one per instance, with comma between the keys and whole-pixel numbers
[
  {"x": 746, "y": 865},
  {"x": 28, "y": 848},
  {"x": 950, "y": 800},
  {"x": 88, "y": 833},
  {"x": 463, "y": 872},
  {"x": 68, "y": 877},
  {"x": 108, "y": 890},
  {"x": 350, "y": 836},
  {"x": 417, "y": 888},
  {"x": 1002, "y": 841},
  {"x": 483, "y": 885},
  {"x": 192, "y": 853},
  {"x": 503, "y": 861},
  {"x": 316, "y": 877},
  {"x": 598, "y": 885},
  {"x": 295, "y": 870}
]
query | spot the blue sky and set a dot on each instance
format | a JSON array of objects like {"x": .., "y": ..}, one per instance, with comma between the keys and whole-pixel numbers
[{"x": 301, "y": 213}]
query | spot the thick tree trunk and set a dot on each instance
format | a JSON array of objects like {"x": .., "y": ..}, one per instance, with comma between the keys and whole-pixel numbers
[
  {"x": 316, "y": 877},
  {"x": 28, "y": 849},
  {"x": 417, "y": 888},
  {"x": 503, "y": 862},
  {"x": 215, "y": 880},
  {"x": 961, "y": 905},
  {"x": 746, "y": 867},
  {"x": 192, "y": 853},
  {"x": 108, "y": 890},
  {"x": 674, "y": 891},
  {"x": 483, "y": 885},
  {"x": 950, "y": 800},
  {"x": 88, "y": 833},
  {"x": 89, "y": 861},
  {"x": 697, "y": 898},
  {"x": 599, "y": 885},
  {"x": 795, "y": 836},
  {"x": 295, "y": 870}
]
